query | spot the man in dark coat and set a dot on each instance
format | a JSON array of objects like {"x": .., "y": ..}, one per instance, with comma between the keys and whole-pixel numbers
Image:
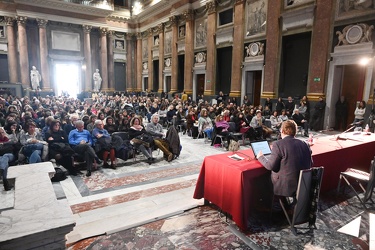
[
  {"x": 341, "y": 113},
  {"x": 288, "y": 157}
]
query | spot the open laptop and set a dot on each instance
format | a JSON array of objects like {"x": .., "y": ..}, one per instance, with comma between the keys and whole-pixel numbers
[{"x": 263, "y": 146}]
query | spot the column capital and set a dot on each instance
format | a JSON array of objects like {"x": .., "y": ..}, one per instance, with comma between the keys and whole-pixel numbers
[
  {"x": 103, "y": 31},
  {"x": 237, "y": 2},
  {"x": 110, "y": 33},
  {"x": 86, "y": 28},
  {"x": 21, "y": 20},
  {"x": 139, "y": 35},
  {"x": 160, "y": 28},
  {"x": 188, "y": 15},
  {"x": 130, "y": 36},
  {"x": 9, "y": 21},
  {"x": 42, "y": 23},
  {"x": 173, "y": 20},
  {"x": 211, "y": 7},
  {"x": 149, "y": 32}
]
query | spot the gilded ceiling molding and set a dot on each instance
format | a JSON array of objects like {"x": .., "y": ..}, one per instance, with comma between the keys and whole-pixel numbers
[
  {"x": 9, "y": 21},
  {"x": 21, "y": 20},
  {"x": 42, "y": 23},
  {"x": 211, "y": 7},
  {"x": 86, "y": 28}
]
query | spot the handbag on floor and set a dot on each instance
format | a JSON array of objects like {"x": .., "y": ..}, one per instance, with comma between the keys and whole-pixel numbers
[{"x": 234, "y": 145}]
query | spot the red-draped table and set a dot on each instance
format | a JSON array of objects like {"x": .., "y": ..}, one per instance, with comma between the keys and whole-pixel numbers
[{"x": 232, "y": 185}]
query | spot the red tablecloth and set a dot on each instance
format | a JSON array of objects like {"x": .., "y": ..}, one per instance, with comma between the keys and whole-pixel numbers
[{"x": 229, "y": 184}]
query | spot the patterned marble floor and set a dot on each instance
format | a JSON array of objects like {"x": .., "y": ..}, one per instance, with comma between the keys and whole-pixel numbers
[{"x": 141, "y": 206}]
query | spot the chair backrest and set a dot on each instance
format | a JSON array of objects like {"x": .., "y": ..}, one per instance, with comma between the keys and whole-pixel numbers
[
  {"x": 371, "y": 182},
  {"x": 307, "y": 195},
  {"x": 123, "y": 135}
]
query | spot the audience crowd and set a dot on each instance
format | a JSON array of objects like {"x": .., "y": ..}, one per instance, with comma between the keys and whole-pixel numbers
[{"x": 60, "y": 128}]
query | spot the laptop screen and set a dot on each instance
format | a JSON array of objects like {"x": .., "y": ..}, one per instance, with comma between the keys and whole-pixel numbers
[{"x": 261, "y": 146}]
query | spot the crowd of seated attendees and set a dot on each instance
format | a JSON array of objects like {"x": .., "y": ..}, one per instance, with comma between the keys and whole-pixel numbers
[{"x": 62, "y": 128}]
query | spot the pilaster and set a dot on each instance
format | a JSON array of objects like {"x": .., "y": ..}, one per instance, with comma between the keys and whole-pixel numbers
[
  {"x": 87, "y": 53},
  {"x": 103, "y": 58},
  {"x": 211, "y": 49},
  {"x": 23, "y": 50},
  {"x": 43, "y": 45},
  {"x": 12, "y": 50}
]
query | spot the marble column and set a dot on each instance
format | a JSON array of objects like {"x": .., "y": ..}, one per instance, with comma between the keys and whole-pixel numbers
[
  {"x": 87, "y": 53},
  {"x": 103, "y": 58},
  {"x": 12, "y": 50},
  {"x": 160, "y": 30},
  {"x": 272, "y": 60},
  {"x": 138, "y": 86},
  {"x": 209, "y": 88},
  {"x": 130, "y": 62},
  {"x": 24, "y": 54},
  {"x": 189, "y": 51},
  {"x": 238, "y": 48},
  {"x": 320, "y": 48},
  {"x": 150, "y": 67},
  {"x": 174, "y": 59},
  {"x": 43, "y": 47},
  {"x": 111, "y": 61}
]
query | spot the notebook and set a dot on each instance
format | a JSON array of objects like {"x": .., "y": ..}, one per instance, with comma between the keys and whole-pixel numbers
[{"x": 263, "y": 146}]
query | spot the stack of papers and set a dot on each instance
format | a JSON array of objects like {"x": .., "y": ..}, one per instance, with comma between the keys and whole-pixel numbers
[{"x": 236, "y": 157}]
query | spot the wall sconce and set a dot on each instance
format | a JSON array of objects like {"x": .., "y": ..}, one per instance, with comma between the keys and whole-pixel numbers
[
  {"x": 242, "y": 66},
  {"x": 330, "y": 59}
]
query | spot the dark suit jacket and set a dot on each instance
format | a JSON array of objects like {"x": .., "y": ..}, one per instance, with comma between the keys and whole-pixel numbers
[{"x": 288, "y": 157}]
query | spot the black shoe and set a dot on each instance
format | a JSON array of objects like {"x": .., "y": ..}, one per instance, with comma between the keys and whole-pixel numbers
[
  {"x": 98, "y": 161},
  {"x": 150, "y": 160},
  {"x": 184, "y": 132},
  {"x": 113, "y": 166},
  {"x": 105, "y": 165},
  {"x": 7, "y": 186},
  {"x": 305, "y": 135},
  {"x": 88, "y": 173}
]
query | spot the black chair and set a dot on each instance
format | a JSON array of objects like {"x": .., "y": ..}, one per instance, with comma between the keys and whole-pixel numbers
[
  {"x": 307, "y": 198},
  {"x": 360, "y": 177}
]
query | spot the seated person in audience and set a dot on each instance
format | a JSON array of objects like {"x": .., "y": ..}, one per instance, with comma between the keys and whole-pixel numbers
[
  {"x": 124, "y": 125},
  {"x": 242, "y": 126},
  {"x": 162, "y": 114},
  {"x": 191, "y": 119},
  {"x": 32, "y": 143},
  {"x": 288, "y": 157},
  {"x": 156, "y": 131},
  {"x": 91, "y": 125},
  {"x": 13, "y": 131},
  {"x": 70, "y": 123},
  {"x": 222, "y": 128},
  {"x": 81, "y": 141},
  {"x": 102, "y": 143},
  {"x": 226, "y": 115},
  {"x": 110, "y": 125},
  {"x": 300, "y": 121},
  {"x": 275, "y": 121},
  {"x": 205, "y": 124},
  {"x": 136, "y": 130},
  {"x": 283, "y": 116},
  {"x": 257, "y": 124},
  {"x": 48, "y": 121},
  {"x": 7, "y": 155},
  {"x": 180, "y": 119},
  {"x": 59, "y": 148},
  {"x": 266, "y": 113},
  {"x": 171, "y": 114}
]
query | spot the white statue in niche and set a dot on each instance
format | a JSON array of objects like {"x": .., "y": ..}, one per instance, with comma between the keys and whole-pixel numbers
[
  {"x": 97, "y": 80},
  {"x": 35, "y": 78}
]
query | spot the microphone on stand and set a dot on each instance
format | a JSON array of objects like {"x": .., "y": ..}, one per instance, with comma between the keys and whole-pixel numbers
[{"x": 343, "y": 138}]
